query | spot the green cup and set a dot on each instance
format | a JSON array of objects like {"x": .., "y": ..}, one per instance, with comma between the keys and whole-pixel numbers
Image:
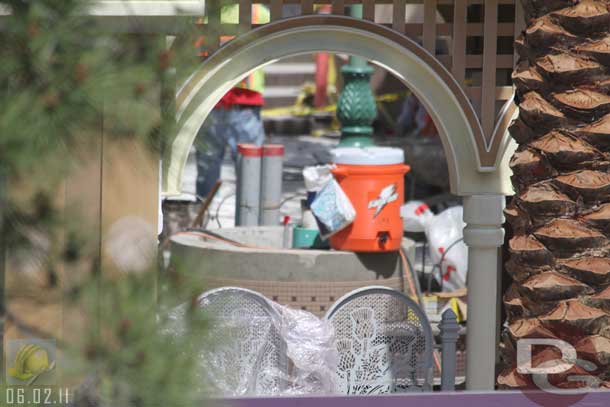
[{"x": 303, "y": 238}]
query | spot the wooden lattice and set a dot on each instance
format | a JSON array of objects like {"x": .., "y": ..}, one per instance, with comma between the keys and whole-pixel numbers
[{"x": 477, "y": 37}]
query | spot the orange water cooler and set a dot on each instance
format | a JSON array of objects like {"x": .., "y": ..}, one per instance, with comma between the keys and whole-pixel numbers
[{"x": 373, "y": 180}]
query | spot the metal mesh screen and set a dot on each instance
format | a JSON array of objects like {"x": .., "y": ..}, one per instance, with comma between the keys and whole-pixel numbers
[
  {"x": 316, "y": 297},
  {"x": 246, "y": 348},
  {"x": 384, "y": 343}
]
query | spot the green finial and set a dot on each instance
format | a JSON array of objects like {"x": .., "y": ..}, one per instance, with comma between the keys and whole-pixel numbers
[{"x": 356, "y": 108}]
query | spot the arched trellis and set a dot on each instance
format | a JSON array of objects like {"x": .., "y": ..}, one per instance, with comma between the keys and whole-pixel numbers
[
  {"x": 478, "y": 169},
  {"x": 474, "y": 166}
]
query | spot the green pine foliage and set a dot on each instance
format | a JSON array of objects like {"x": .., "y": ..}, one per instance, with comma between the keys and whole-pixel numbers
[
  {"x": 131, "y": 357},
  {"x": 62, "y": 77}
]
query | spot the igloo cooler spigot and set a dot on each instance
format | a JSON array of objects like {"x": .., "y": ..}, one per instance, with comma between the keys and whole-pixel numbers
[{"x": 373, "y": 180}]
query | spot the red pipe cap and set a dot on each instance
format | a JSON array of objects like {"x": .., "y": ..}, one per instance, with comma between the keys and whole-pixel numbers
[
  {"x": 273, "y": 149},
  {"x": 250, "y": 150}
]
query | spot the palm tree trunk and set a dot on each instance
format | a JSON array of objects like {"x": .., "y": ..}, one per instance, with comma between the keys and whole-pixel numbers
[{"x": 560, "y": 215}]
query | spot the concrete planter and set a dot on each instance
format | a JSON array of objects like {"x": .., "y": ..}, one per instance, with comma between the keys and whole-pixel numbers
[{"x": 304, "y": 279}]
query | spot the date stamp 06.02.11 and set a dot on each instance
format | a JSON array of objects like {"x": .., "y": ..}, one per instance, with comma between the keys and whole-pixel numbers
[{"x": 31, "y": 374}]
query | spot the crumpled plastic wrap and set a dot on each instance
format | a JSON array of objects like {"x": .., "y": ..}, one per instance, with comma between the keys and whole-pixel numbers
[
  {"x": 311, "y": 352},
  {"x": 288, "y": 352}
]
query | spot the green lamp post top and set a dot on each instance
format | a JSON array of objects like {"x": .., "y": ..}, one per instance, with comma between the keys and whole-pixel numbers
[{"x": 356, "y": 108}]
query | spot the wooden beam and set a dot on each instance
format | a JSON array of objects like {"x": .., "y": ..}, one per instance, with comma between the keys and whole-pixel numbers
[
  {"x": 398, "y": 15},
  {"x": 213, "y": 32},
  {"x": 476, "y": 61},
  {"x": 245, "y": 16},
  {"x": 368, "y": 10},
  {"x": 458, "y": 68},
  {"x": 519, "y": 24},
  {"x": 306, "y": 6},
  {"x": 430, "y": 26},
  {"x": 338, "y": 7},
  {"x": 488, "y": 105},
  {"x": 501, "y": 93},
  {"x": 275, "y": 11}
]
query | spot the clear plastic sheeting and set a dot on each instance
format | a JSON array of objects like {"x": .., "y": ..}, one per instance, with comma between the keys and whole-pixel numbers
[
  {"x": 311, "y": 351},
  {"x": 254, "y": 347}
]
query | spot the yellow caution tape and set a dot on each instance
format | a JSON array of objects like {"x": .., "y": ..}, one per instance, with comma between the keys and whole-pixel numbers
[{"x": 301, "y": 110}]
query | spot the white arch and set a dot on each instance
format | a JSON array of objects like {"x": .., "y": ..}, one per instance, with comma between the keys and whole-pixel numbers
[
  {"x": 478, "y": 170},
  {"x": 473, "y": 167}
]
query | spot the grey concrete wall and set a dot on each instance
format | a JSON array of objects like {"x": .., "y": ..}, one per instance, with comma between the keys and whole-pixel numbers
[
  {"x": 310, "y": 280},
  {"x": 221, "y": 260}
]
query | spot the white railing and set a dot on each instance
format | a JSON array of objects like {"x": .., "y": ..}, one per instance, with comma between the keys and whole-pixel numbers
[
  {"x": 141, "y": 16},
  {"x": 137, "y": 8},
  {"x": 124, "y": 8}
]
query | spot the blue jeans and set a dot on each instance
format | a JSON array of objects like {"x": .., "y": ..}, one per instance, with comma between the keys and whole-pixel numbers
[{"x": 222, "y": 128}]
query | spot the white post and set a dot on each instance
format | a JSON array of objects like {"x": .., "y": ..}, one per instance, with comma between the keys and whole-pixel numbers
[{"x": 483, "y": 215}]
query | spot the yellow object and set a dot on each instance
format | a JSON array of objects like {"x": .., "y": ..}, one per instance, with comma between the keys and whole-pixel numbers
[
  {"x": 30, "y": 361},
  {"x": 301, "y": 110},
  {"x": 455, "y": 307},
  {"x": 331, "y": 79},
  {"x": 308, "y": 90}
]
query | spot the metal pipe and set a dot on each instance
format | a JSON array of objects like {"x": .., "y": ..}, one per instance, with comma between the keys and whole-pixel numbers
[
  {"x": 248, "y": 184},
  {"x": 271, "y": 184}
]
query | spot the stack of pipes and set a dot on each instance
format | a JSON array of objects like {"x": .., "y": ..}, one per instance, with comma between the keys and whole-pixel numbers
[{"x": 259, "y": 184}]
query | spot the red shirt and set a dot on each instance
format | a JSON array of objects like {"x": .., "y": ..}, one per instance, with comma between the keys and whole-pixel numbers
[{"x": 240, "y": 96}]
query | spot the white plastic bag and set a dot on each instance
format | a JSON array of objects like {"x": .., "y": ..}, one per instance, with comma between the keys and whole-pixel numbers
[
  {"x": 415, "y": 216},
  {"x": 333, "y": 209},
  {"x": 317, "y": 177},
  {"x": 447, "y": 248}
]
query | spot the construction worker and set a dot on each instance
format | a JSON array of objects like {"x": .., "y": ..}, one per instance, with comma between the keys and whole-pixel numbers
[{"x": 236, "y": 118}]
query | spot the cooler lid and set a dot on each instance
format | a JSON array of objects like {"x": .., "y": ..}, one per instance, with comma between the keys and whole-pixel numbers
[{"x": 368, "y": 156}]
